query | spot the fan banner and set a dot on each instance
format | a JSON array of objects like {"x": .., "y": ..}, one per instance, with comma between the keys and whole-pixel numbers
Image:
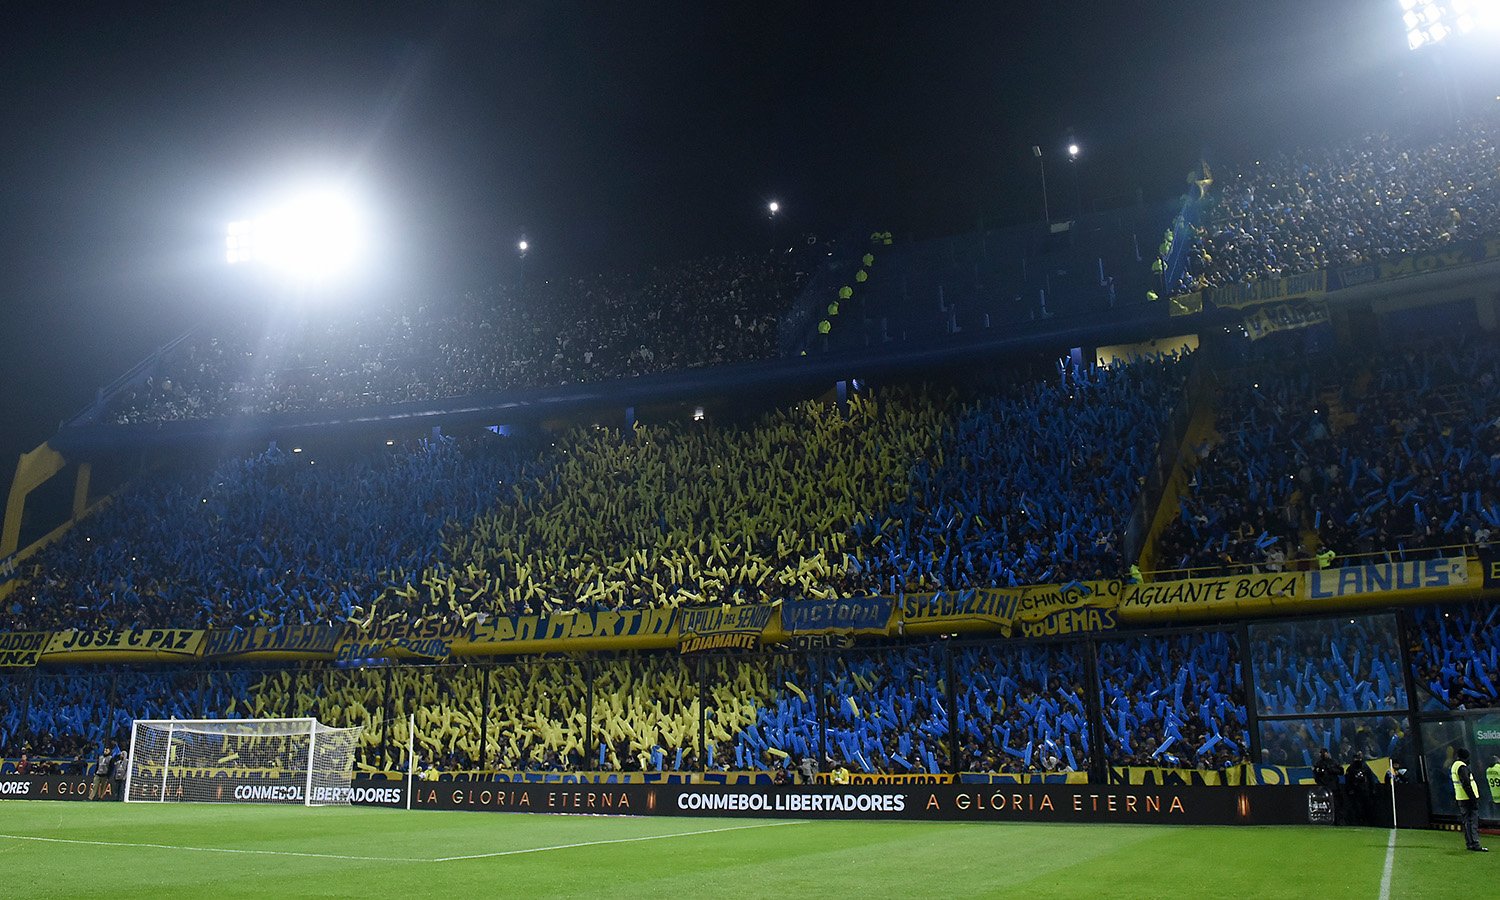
[{"x": 859, "y": 615}]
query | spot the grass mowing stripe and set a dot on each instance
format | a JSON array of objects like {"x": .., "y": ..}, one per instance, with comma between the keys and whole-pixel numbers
[
  {"x": 630, "y": 840},
  {"x": 407, "y": 859},
  {"x": 1390, "y": 861},
  {"x": 47, "y": 840}
]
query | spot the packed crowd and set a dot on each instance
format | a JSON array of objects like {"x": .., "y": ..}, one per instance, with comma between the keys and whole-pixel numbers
[
  {"x": 1369, "y": 200},
  {"x": 1021, "y": 709},
  {"x": 1392, "y": 452},
  {"x": 275, "y": 539},
  {"x": 562, "y": 331},
  {"x": 1176, "y": 701},
  {"x": 911, "y": 488},
  {"x": 1172, "y": 701},
  {"x": 1455, "y": 653},
  {"x": 1327, "y": 665}
]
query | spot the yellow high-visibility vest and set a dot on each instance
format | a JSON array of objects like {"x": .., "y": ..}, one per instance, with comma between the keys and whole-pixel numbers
[{"x": 1460, "y": 789}]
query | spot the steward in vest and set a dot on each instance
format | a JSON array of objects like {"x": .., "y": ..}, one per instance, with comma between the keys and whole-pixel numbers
[{"x": 1466, "y": 792}]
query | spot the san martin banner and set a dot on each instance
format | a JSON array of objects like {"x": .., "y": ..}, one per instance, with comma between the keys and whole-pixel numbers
[{"x": 633, "y": 629}]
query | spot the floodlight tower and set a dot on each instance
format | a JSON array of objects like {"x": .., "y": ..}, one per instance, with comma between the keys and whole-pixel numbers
[
  {"x": 1073, "y": 151},
  {"x": 1433, "y": 25},
  {"x": 1036, "y": 150}
]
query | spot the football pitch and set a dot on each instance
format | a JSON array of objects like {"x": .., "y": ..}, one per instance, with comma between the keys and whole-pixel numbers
[{"x": 51, "y": 849}]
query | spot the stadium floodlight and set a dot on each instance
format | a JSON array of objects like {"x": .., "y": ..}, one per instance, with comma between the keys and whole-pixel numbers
[
  {"x": 774, "y": 207},
  {"x": 1430, "y": 22},
  {"x": 523, "y": 245},
  {"x": 311, "y": 237},
  {"x": 1073, "y": 150}
]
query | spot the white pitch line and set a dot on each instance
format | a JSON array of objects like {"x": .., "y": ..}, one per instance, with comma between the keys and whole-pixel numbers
[
  {"x": 632, "y": 840},
  {"x": 1390, "y": 859},
  {"x": 405, "y": 859},
  {"x": 48, "y": 840}
]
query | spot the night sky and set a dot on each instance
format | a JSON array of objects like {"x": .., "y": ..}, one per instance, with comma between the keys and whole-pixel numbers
[{"x": 606, "y": 132}]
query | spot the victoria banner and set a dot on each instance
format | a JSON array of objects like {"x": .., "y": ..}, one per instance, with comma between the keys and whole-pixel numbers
[{"x": 857, "y": 615}]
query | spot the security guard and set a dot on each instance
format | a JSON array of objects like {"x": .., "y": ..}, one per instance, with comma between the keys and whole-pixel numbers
[{"x": 1466, "y": 792}]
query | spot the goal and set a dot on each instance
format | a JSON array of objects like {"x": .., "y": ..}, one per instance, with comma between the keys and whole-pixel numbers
[{"x": 293, "y": 761}]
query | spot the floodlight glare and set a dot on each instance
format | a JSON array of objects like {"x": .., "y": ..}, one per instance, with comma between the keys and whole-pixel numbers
[
  {"x": 523, "y": 246},
  {"x": 774, "y": 207},
  {"x": 310, "y": 238},
  {"x": 1073, "y": 150}
]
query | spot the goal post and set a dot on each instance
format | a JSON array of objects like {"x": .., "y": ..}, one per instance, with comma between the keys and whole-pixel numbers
[{"x": 290, "y": 761}]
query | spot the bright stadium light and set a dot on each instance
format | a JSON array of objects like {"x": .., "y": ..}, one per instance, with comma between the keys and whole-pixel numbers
[
  {"x": 523, "y": 245},
  {"x": 774, "y": 207},
  {"x": 1431, "y": 22},
  {"x": 1073, "y": 151},
  {"x": 311, "y": 237}
]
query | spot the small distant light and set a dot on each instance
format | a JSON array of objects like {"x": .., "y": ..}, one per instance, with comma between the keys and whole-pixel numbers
[
  {"x": 523, "y": 246},
  {"x": 296, "y": 449},
  {"x": 1073, "y": 150},
  {"x": 774, "y": 207},
  {"x": 390, "y": 443},
  {"x": 698, "y": 414}
]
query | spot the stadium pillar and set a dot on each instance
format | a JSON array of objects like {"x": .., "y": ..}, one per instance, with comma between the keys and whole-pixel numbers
[
  {"x": 388, "y": 708},
  {"x": 1098, "y": 765},
  {"x": 702, "y": 712},
  {"x": 954, "y": 764},
  {"x": 1414, "y": 749},
  {"x": 588, "y": 707},
  {"x": 819, "y": 667},
  {"x": 32, "y": 471},
  {"x": 484, "y": 719},
  {"x": 1247, "y": 678},
  {"x": 81, "y": 490}
]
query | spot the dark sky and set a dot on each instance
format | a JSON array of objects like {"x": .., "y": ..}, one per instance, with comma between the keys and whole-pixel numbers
[{"x": 607, "y": 132}]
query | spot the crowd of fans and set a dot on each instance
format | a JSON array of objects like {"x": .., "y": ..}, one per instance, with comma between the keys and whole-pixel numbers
[
  {"x": 1376, "y": 198},
  {"x": 1327, "y": 665},
  {"x": 276, "y": 539},
  {"x": 910, "y": 488},
  {"x": 561, "y": 331},
  {"x": 1171, "y": 701},
  {"x": 1396, "y": 452},
  {"x": 1174, "y": 701},
  {"x": 1021, "y": 709},
  {"x": 1455, "y": 654}
]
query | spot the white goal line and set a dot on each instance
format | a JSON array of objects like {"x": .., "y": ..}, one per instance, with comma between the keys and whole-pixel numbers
[{"x": 397, "y": 859}]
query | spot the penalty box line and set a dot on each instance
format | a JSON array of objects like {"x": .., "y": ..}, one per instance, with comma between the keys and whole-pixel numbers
[{"x": 400, "y": 859}]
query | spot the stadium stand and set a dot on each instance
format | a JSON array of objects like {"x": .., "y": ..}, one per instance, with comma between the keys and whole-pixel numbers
[
  {"x": 1370, "y": 453},
  {"x": 1176, "y": 699},
  {"x": 1374, "y": 198},
  {"x": 906, "y": 490},
  {"x": 564, "y": 331}
]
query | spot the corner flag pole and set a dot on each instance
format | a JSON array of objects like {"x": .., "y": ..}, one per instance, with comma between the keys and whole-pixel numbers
[{"x": 411, "y": 754}]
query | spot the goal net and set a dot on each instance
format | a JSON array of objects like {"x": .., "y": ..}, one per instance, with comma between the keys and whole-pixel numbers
[{"x": 299, "y": 761}]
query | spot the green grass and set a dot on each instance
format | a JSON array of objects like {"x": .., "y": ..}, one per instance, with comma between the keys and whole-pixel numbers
[{"x": 853, "y": 860}]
